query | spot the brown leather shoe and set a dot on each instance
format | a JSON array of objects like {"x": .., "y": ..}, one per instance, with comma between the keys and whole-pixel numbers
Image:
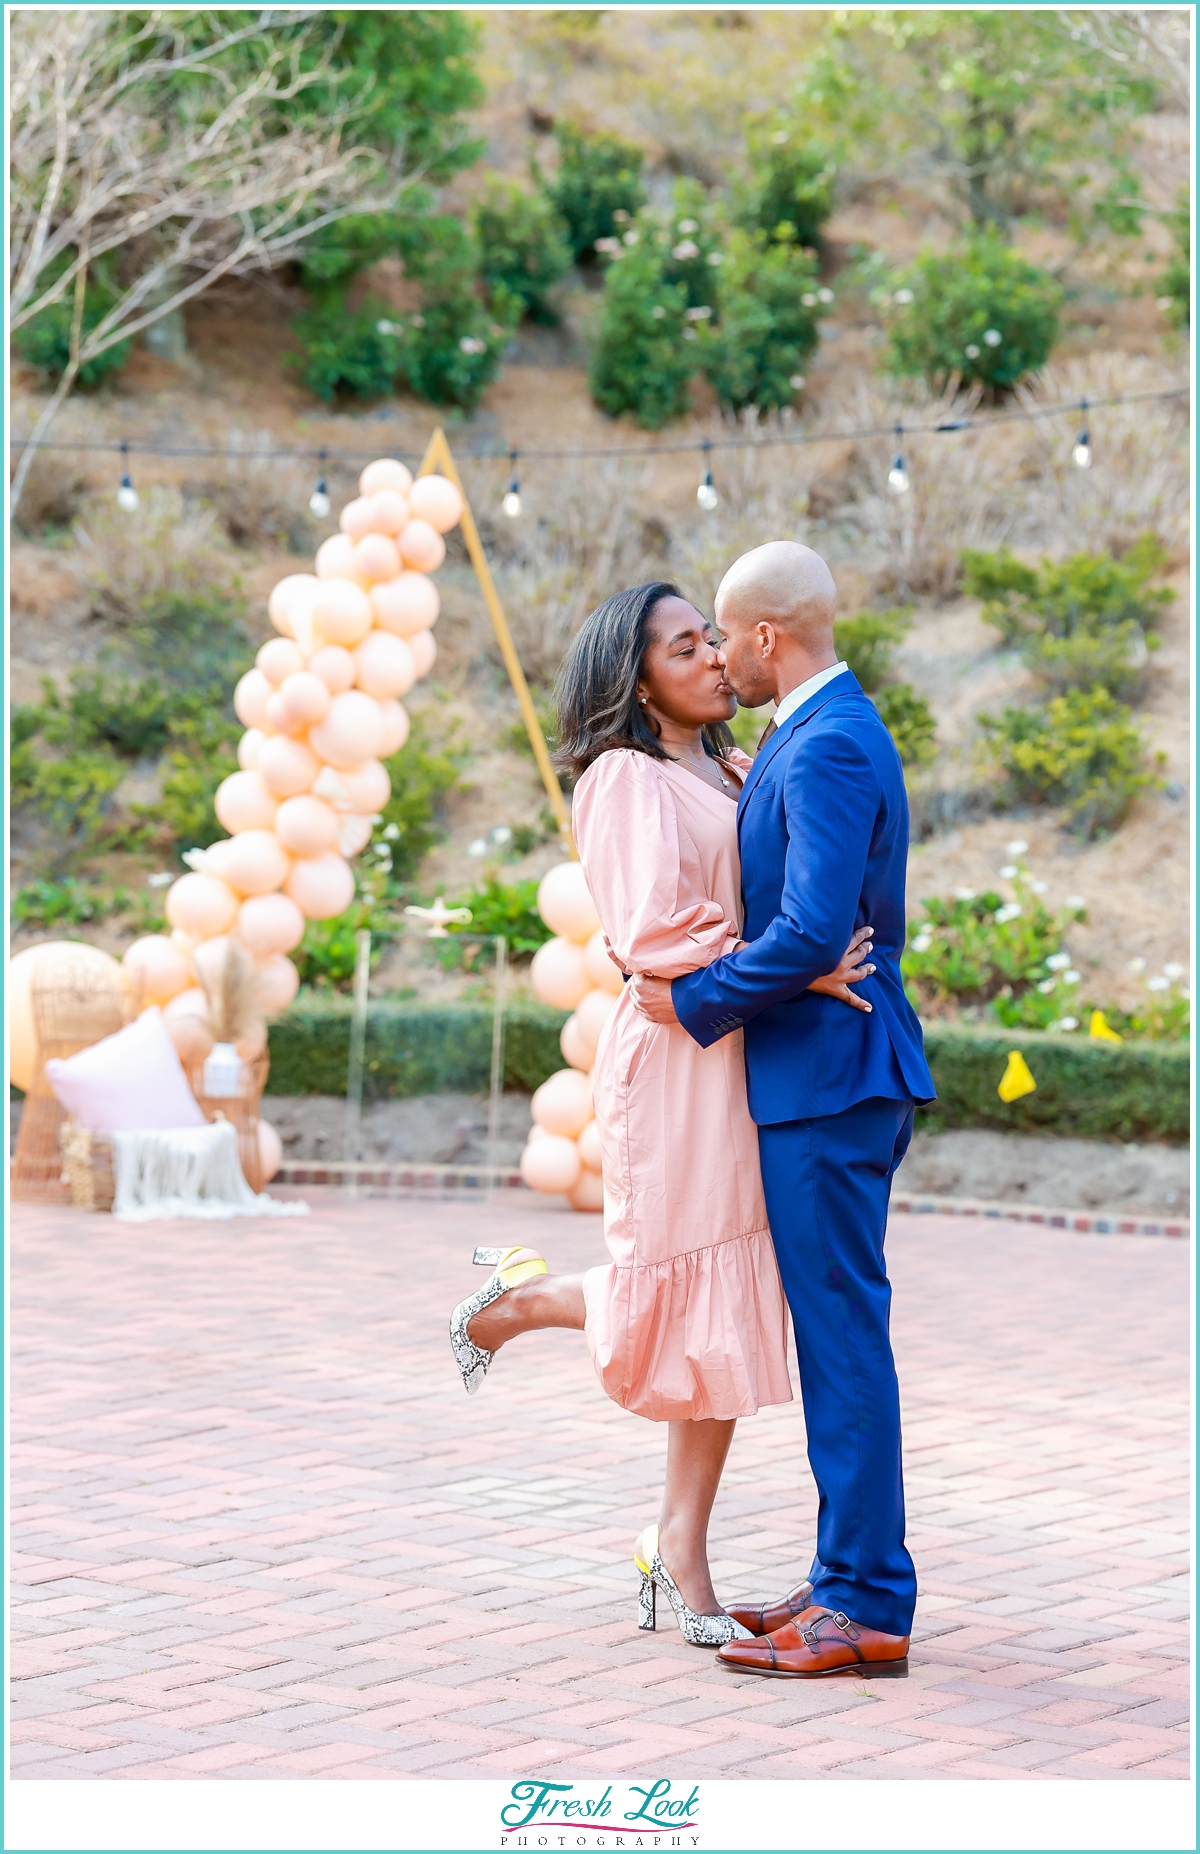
[
  {"x": 821, "y": 1642},
  {"x": 761, "y": 1618}
]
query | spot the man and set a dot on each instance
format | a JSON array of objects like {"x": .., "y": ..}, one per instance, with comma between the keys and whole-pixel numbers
[{"x": 823, "y": 832}]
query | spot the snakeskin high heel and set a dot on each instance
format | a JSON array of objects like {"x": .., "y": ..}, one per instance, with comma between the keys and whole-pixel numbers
[
  {"x": 509, "y": 1267},
  {"x": 699, "y": 1631}
]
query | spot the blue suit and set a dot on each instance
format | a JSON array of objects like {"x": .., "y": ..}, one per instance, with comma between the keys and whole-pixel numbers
[{"x": 823, "y": 834}]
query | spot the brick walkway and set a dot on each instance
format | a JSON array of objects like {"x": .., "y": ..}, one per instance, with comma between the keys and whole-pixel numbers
[{"x": 259, "y": 1531}]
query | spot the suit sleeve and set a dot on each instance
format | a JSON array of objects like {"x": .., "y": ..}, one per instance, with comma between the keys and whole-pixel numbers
[{"x": 831, "y": 800}]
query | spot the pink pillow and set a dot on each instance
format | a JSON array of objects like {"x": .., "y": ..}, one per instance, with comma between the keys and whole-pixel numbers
[{"x": 130, "y": 1082}]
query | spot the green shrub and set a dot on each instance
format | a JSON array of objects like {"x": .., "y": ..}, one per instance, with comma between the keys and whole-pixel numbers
[
  {"x": 1163, "y": 1013},
  {"x": 747, "y": 728},
  {"x": 346, "y": 351},
  {"x": 450, "y": 351},
  {"x": 641, "y": 362},
  {"x": 45, "y": 340},
  {"x": 1177, "y": 278},
  {"x": 868, "y": 643},
  {"x": 328, "y": 954},
  {"x": 52, "y": 904},
  {"x": 981, "y": 312},
  {"x": 1085, "y": 1090},
  {"x": 693, "y": 248},
  {"x": 523, "y": 246},
  {"x": 411, "y": 1049},
  {"x": 1083, "y": 751},
  {"x": 597, "y": 189},
  {"x": 974, "y": 948},
  {"x": 790, "y": 190},
  {"x": 766, "y": 326},
  {"x": 909, "y": 720},
  {"x": 508, "y": 908}
]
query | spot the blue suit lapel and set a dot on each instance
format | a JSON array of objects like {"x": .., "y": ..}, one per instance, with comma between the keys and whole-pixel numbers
[{"x": 845, "y": 684}]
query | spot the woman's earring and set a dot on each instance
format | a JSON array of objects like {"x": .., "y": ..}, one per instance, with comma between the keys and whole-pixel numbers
[{"x": 642, "y": 700}]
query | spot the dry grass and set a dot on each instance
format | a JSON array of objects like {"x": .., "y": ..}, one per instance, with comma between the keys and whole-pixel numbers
[
  {"x": 165, "y": 546},
  {"x": 262, "y": 500},
  {"x": 58, "y": 479}
]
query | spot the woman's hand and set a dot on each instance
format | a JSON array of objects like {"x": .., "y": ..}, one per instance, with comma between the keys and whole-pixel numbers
[{"x": 848, "y": 971}]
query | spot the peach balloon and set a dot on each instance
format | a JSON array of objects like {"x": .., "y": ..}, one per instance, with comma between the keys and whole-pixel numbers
[
  {"x": 294, "y": 591},
  {"x": 563, "y": 1104},
  {"x": 421, "y": 547},
  {"x": 354, "y": 834},
  {"x": 255, "y": 862},
  {"x": 202, "y": 905},
  {"x": 40, "y": 962},
  {"x": 367, "y": 787},
  {"x": 304, "y": 698},
  {"x": 278, "y": 983},
  {"x": 376, "y": 557},
  {"x": 589, "y": 1147},
  {"x": 278, "y": 658},
  {"x": 593, "y": 1012},
  {"x": 558, "y": 974},
  {"x": 336, "y": 559},
  {"x": 424, "y": 652},
  {"x": 407, "y": 604},
  {"x": 564, "y": 903},
  {"x": 385, "y": 473},
  {"x": 243, "y": 802},
  {"x": 588, "y": 1192},
  {"x": 603, "y": 971},
  {"x": 576, "y": 1048},
  {"x": 384, "y": 665},
  {"x": 250, "y": 698},
  {"x": 351, "y": 732},
  {"x": 249, "y": 748},
  {"x": 551, "y": 1164},
  {"x": 435, "y": 500},
  {"x": 306, "y": 826},
  {"x": 193, "y": 1003},
  {"x": 270, "y": 1151},
  {"x": 335, "y": 666},
  {"x": 276, "y": 718},
  {"x": 163, "y": 970},
  {"x": 288, "y": 766},
  {"x": 209, "y": 960},
  {"x": 395, "y": 728},
  {"x": 270, "y": 923},
  {"x": 190, "y": 1034},
  {"x": 342, "y": 612},
  {"x": 321, "y": 886},
  {"x": 216, "y": 859},
  {"x": 355, "y": 518},
  {"x": 389, "y": 512}
]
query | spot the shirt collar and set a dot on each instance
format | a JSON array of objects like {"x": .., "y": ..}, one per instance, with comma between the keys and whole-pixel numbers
[{"x": 793, "y": 699}]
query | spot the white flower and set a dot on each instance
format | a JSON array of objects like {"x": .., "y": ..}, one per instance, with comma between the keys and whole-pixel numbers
[
  {"x": 687, "y": 225},
  {"x": 1173, "y": 971},
  {"x": 992, "y": 337},
  {"x": 714, "y": 257},
  {"x": 779, "y": 136},
  {"x": 824, "y": 296},
  {"x": 808, "y": 299},
  {"x": 1137, "y": 965},
  {"x": 632, "y": 235},
  {"x": 385, "y": 328},
  {"x": 608, "y": 245},
  {"x": 1008, "y": 872},
  {"x": 471, "y": 344},
  {"x": 922, "y": 943},
  {"x": 502, "y": 834},
  {"x": 902, "y": 296},
  {"x": 797, "y": 380},
  {"x": 620, "y": 216},
  {"x": 1017, "y": 847},
  {"x": 700, "y": 313},
  {"x": 658, "y": 312},
  {"x": 964, "y": 894},
  {"x": 1163, "y": 302},
  {"x": 417, "y": 321},
  {"x": 689, "y": 334},
  {"x": 1072, "y": 977},
  {"x": 392, "y": 832},
  {"x": 1039, "y": 888},
  {"x": 163, "y": 879},
  {"x": 1066, "y": 1023},
  {"x": 1058, "y": 962},
  {"x": 1075, "y": 901},
  {"x": 686, "y": 248},
  {"x": 478, "y": 848},
  {"x": 1158, "y": 984},
  {"x": 1047, "y": 985},
  {"x": 1009, "y": 912},
  {"x": 1185, "y": 991},
  {"x": 971, "y": 351}
]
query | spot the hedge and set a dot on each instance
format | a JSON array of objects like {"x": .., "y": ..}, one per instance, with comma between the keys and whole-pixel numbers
[{"x": 1086, "y": 1090}]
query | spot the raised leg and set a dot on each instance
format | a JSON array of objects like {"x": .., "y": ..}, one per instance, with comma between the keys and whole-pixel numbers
[
  {"x": 695, "y": 1459},
  {"x": 545, "y": 1300}
]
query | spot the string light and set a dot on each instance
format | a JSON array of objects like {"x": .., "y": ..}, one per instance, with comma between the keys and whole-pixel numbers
[
  {"x": 127, "y": 495},
  {"x": 319, "y": 503},
  {"x": 512, "y": 501},
  {"x": 898, "y": 475},
  {"x": 1082, "y": 454},
  {"x": 706, "y": 495}
]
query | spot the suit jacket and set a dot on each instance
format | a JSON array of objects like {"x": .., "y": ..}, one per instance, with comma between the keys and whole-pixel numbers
[{"x": 823, "y": 836}]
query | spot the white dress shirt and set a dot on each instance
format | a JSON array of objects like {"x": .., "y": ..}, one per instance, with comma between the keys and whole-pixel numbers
[{"x": 795, "y": 697}]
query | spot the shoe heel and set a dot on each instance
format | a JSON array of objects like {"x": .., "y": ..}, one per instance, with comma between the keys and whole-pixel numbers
[{"x": 645, "y": 1600}]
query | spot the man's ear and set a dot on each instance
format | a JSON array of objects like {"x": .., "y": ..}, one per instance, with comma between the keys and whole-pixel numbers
[{"x": 764, "y": 637}]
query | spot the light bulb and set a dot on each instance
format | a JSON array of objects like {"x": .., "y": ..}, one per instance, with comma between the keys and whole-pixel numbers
[
  {"x": 1082, "y": 454},
  {"x": 127, "y": 496},
  {"x": 707, "y": 496},
  {"x": 898, "y": 477},
  {"x": 319, "y": 503},
  {"x": 512, "y": 503}
]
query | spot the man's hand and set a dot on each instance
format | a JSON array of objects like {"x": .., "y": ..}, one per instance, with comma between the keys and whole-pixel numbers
[{"x": 653, "y": 999}]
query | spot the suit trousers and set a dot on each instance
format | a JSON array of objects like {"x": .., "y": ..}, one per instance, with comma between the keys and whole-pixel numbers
[{"x": 827, "y": 1182}]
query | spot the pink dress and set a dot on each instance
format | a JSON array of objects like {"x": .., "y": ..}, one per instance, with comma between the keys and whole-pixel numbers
[{"x": 689, "y": 1318}]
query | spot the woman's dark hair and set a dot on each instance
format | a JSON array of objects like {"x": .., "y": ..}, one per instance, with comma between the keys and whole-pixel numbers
[{"x": 598, "y": 707}]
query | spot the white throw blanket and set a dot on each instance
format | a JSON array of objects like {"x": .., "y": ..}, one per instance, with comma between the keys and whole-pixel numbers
[{"x": 188, "y": 1172}]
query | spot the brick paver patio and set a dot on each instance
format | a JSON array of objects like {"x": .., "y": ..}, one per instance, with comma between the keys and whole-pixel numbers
[{"x": 259, "y": 1531}]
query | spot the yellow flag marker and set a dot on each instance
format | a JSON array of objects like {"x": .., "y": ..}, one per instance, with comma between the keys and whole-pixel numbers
[
  {"x": 1102, "y": 1030},
  {"x": 1016, "y": 1079}
]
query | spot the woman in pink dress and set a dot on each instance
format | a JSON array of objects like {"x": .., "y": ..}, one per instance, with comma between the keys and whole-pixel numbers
[{"x": 687, "y": 1324}]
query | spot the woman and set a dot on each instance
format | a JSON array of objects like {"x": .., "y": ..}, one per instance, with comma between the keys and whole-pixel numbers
[{"x": 687, "y": 1324}]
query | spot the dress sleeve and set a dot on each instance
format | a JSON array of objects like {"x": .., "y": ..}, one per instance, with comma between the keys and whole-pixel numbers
[{"x": 644, "y": 871}]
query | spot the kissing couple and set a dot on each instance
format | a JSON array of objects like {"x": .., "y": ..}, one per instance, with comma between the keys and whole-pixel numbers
[{"x": 754, "y": 1090}]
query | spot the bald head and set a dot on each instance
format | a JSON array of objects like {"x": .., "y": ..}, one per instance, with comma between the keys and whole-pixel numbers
[{"x": 784, "y": 584}]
